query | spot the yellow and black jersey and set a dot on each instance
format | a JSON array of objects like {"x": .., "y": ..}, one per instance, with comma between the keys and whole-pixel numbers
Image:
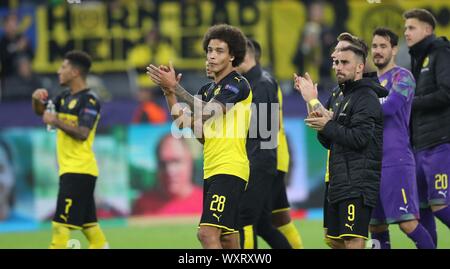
[
  {"x": 226, "y": 135},
  {"x": 80, "y": 109},
  {"x": 282, "y": 150}
]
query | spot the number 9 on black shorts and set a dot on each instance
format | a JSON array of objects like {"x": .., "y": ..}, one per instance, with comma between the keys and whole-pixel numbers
[{"x": 348, "y": 218}]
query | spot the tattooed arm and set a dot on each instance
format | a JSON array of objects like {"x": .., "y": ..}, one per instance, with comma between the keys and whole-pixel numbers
[
  {"x": 167, "y": 79},
  {"x": 201, "y": 108}
]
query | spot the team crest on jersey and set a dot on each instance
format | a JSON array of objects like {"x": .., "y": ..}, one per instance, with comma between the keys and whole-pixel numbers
[
  {"x": 216, "y": 91},
  {"x": 426, "y": 61},
  {"x": 238, "y": 79},
  {"x": 72, "y": 104},
  {"x": 384, "y": 83}
]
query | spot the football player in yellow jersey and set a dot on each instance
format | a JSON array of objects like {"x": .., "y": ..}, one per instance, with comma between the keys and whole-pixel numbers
[
  {"x": 220, "y": 119},
  {"x": 76, "y": 118}
]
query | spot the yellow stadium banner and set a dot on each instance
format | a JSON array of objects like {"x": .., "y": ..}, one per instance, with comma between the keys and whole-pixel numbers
[
  {"x": 120, "y": 36},
  {"x": 367, "y": 15},
  {"x": 130, "y": 34},
  {"x": 289, "y": 18}
]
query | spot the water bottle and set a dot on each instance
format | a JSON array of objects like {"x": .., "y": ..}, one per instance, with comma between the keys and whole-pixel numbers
[{"x": 51, "y": 109}]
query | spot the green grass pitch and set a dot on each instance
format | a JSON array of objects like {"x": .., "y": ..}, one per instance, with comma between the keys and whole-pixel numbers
[{"x": 181, "y": 234}]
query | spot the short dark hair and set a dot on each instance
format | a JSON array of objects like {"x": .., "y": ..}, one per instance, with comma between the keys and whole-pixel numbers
[
  {"x": 256, "y": 48},
  {"x": 354, "y": 41},
  {"x": 80, "y": 60},
  {"x": 357, "y": 45},
  {"x": 388, "y": 34},
  {"x": 357, "y": 50},
  {"x": 422, "y": 15},
  {"x": 231, "y": 35},
  {"x": 345, "y": 36}
]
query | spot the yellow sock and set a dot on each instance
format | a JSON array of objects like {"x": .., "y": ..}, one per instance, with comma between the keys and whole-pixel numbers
[
  {"x": 292, "y": 235},
  {"x": 248, "y": 237},
  {"x": 95, "y": 237},
  {"x": 60, "y": 236},
  {"x": 328, "y": 242}
]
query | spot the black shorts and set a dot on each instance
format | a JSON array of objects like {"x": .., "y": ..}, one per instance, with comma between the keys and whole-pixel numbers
[
  {"x": 256, "y": 197},
  {"x": 279, "y": 197},
  {"x": 348, "y": 218},
  {"x": 221, "y": 197},
  {"x": 75, "y": 206}
]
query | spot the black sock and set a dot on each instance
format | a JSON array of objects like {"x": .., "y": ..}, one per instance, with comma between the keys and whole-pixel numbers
[{"x": 272, "y": 235}]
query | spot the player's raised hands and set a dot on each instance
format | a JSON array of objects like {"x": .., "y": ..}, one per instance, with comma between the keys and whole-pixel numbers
[
  {"x": 153, "y": 73},
  {"x": 314, "y": 114},
  {"x": 306, "y": 87},
  {"x": 318, "y": 123},
  {"x": 164, "y": 76},
  {"x": 168, "y": 69}
]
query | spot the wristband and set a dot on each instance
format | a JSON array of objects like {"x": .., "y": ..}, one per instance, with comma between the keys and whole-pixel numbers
[{"x": 313, "y": 102}]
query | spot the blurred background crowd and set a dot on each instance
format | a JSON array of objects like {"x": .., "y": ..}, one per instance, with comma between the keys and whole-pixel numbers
[{"x": 124, "y": 36}]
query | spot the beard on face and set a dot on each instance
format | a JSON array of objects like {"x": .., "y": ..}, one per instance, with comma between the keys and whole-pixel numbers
[
  {"x": 381, "y": 64},
  {"x": 341, "y": 78}
]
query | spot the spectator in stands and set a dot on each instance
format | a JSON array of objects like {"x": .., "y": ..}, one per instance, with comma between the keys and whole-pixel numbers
[
  {"x": 316, "y": 43},
  {"x": 22, "y": 84},
  {"x": 152, "y": 47},
  {"x": 97, "y": 85},
  {"x": 12, "y": 45},
  {"x": 148, "y": 110}
]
